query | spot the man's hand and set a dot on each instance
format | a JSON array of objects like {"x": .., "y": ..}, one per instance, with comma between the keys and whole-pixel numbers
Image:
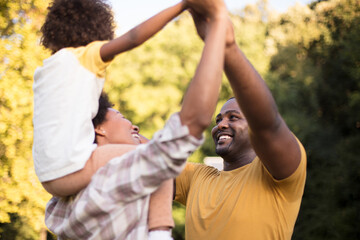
[{"x": 202, "y": 26}]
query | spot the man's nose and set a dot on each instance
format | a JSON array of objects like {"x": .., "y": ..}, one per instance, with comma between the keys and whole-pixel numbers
[{"x": 223, "y": 124}]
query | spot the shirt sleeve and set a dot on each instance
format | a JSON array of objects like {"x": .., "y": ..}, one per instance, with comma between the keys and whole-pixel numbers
[
  {"x": 183, "y": 182},
  {"x": 292, "y": 187},
  {"x": 90, "y": 58},
  {"x": 140, "y": 172}
]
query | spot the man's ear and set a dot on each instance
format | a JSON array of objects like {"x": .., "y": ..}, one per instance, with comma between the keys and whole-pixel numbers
[{"x": 99, "y": 131}]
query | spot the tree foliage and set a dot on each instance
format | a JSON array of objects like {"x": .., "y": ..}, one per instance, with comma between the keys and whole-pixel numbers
[
  {"x": 309, "y": 57},
  {"x": 315, "y": 78},
  {"x": 22, "y": 199}
]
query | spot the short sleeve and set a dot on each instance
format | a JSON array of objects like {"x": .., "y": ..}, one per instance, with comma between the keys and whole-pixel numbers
[
  {"x": 292, "y": 187},
  {"x": 89, "y": 57},
  {"x": 183, "y": 182}
]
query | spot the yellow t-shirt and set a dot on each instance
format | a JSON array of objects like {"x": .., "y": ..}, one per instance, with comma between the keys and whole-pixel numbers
[{"x": 246, "y": 203}]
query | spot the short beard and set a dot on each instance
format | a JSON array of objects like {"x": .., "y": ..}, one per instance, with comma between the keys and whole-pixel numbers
[{"x": 223, "y": 151}]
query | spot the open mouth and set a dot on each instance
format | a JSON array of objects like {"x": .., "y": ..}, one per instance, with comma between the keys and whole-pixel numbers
[
  {"x": 221, "y": 138},
  {"x": 136, "y": 136}
]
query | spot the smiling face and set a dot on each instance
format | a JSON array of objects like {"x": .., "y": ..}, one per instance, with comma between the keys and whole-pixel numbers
[
  {"x": 230, "y": 134},
  {"x": 116, "y": 129}
]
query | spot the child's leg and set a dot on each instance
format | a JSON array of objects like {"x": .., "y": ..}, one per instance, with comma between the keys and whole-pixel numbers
[
  {"x": 74, "y": 182},
  {"x": 160, "y": 208}
]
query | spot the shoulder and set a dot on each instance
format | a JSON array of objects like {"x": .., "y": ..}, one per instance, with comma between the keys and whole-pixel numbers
[
  {"x": 199, "y": 168},
  {"x": 92, "y": 48},
  {"x": 299, "y": 174},
  {"x": 192, "y": 177},
  {"x": 89, "y": 57},
  {"x": 194, "y": 171}
]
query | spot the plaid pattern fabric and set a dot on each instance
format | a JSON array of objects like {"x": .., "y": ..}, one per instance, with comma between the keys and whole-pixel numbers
[{"x": 115, "y": 203}]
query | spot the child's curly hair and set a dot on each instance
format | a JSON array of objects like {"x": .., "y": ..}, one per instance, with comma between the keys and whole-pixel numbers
[{"x": 74, "y": 23}]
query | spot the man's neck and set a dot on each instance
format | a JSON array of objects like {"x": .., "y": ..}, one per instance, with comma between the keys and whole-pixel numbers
[{"x": 234, "y": 162}]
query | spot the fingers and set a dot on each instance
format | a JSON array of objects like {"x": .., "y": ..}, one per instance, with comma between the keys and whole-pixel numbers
[
  {"x": 208, "y": 8},
  {"x": 200, "y": 23}
]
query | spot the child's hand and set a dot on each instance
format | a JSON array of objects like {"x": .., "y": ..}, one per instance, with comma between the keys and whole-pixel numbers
[
  {"x": 202, "y": 26},
  {"x": 207, "y": 8}
]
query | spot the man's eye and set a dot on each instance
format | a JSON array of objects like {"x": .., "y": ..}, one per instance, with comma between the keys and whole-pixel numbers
[
  {"x": 218, "y": 120},
  {"x": 233, "y": 117}
]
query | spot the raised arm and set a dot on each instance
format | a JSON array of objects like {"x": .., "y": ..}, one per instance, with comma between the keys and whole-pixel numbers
[
  {"x": 140, "y": 33},
  {"x": 273, "y": 142},
  {"x": 202, "y": 95}
]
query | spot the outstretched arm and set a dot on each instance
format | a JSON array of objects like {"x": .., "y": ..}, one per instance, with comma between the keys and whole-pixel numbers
[
  {"x": 273, "y": 142},
  {"x": 202, "y": 95},
  {"x": 140, "y": 33}
]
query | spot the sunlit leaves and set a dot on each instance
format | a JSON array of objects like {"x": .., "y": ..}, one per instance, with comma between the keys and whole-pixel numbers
[
  {"x": 20, "y": 191},
  {"x": 309, "y": 57}
]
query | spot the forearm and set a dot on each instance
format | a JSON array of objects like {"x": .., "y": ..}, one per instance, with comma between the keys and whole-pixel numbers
[
  {"x": 250, "y": 90},
  {"x": 147, "y": 29},
  {"x": 202, "y": 95},
  {"x": 141, "y": 32}
]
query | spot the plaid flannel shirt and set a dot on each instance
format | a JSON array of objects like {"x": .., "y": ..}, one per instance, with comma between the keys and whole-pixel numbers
[{"x": 115, "y": 203}]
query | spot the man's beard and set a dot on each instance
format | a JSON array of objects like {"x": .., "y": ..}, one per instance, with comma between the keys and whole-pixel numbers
[{"x": 223, "y": 150}]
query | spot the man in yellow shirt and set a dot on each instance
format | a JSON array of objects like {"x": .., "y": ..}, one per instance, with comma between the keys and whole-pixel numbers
[{"x": 258, "y": 194}]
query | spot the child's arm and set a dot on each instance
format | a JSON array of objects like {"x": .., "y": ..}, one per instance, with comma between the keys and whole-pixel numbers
[
  {"x": 75, "y": 182},
  {"x": 140, "y": 33}
]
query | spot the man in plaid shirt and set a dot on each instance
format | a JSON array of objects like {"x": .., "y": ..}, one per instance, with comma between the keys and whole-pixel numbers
[{"x": 115, "y": 203}]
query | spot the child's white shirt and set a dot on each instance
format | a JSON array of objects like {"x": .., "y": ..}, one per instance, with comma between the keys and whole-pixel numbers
[{"x": 66, "y": 93}]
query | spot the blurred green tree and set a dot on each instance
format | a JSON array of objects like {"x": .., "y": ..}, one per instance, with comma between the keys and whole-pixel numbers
[
  {"x": 314, "y": 76},
  {"x": 309, "y": 57},
  {"x": 22, "y": 198}
]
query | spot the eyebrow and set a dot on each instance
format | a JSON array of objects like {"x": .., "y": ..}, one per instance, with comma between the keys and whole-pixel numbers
[{"x": 227, "y": 112}]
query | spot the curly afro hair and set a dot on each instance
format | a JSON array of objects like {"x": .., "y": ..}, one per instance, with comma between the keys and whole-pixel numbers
[
  {"x": 104, "y": 105},
  {"x": 74, "y": 23}
]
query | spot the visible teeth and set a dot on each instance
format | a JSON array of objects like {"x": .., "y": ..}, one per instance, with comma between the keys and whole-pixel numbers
[
  {"x": 224, "y": 137},
  {"x": 135, "y": 136}
]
